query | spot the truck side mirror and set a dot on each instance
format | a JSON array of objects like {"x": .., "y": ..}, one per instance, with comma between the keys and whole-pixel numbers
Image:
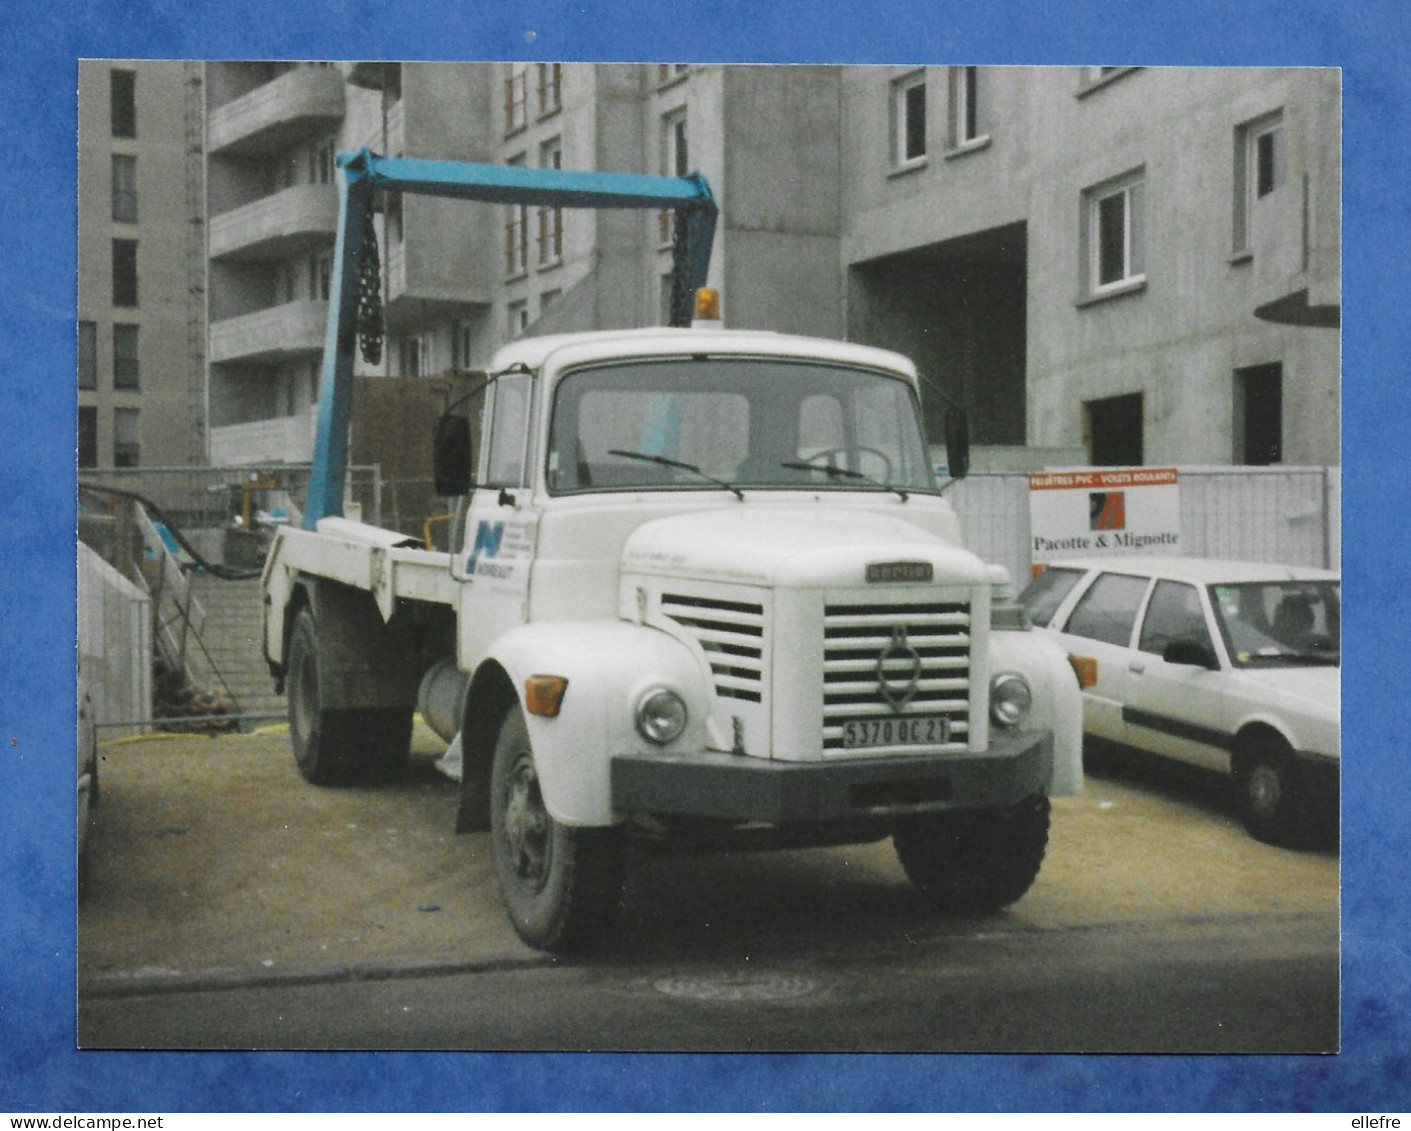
[
  {"x": 451, "y": 456},
  {"x": 957, "y": 426}
]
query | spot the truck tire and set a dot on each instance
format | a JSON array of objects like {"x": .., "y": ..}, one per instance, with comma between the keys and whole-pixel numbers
[
  {"x": 977, "y": 860},
  {"x": 1270, "y": 802},
  {"x": 561, "y": 886},
  {"x": 366, "y": 744}
]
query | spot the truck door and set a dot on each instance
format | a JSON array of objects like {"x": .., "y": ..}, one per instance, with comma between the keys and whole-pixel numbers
[{"x": 501, "y": 523}]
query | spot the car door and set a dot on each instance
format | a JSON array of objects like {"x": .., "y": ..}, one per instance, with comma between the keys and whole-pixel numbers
[
  {"x": 1177, "y": 710},
  {"x": 1100, "y": 626}
]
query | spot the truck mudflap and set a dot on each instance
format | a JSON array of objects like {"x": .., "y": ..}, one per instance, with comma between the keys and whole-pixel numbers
[{"x": 732, "y": 787}]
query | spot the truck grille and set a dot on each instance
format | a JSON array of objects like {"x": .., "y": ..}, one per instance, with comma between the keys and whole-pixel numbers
[
  {"x": 855, "y": 637},
  {"x": 732, "y": 636}
]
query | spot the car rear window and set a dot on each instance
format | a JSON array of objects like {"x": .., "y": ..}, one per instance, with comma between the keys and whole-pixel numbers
[
  {"x": 1046, "y": 592},
  {"x": 1108, "y": 609}
]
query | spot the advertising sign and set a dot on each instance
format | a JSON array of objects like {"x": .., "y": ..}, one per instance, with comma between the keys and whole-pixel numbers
[{"x": 1133, "y": 510}]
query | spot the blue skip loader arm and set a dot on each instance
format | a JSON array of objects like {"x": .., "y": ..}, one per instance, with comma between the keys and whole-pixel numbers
[{"x": 365, "y": 171}]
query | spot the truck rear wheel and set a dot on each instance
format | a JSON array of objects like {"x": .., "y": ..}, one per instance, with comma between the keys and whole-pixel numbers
[
  {"x": 333, "y": 747},
  {"x": 561, "y": 885},
  {"x": 977, "y": 860}
]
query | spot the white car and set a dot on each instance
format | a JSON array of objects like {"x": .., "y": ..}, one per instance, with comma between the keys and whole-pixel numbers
[{"x": 1232, "y": 666}]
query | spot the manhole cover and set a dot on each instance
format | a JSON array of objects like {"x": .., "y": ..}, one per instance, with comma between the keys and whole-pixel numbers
[{"x": 746, "y": 986}]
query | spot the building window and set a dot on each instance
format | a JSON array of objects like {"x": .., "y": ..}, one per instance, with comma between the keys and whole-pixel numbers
[
  {"x": 321, "y": 163},
  {"x": 124, "y": 272},
  {"x": 1114, "y": 235},
  {"x": 460, "y": 346},
  {"x": 87, "y": 436},
  {"x": 517, "y": 100},
  {"x": 320, "y": 277},
  {"x": 127, "y": 447},
  {"x": 123, "y": 102},
  {"x": 909, "y": 121},
  {"x": 126, "y": 374},
  {"x": 517, "y": 234},
  {"x": 518, "y": 313},
  {"x": 88, "y": 355},
  {"x": 965, "y": 127},
  {"x": 1114, "y": 431},
  {"x": 550, "y": 88},
  {"x": 416, "y": 356},
  {"x": 124, "y": 188},
  {"x": 670, "y": 72},
  {"x": 1260, "y": 161},
  {"x": 1090, "y": 78},
  {"x": 1259, "y": 415},
  {"x": 550, "y": 234}
]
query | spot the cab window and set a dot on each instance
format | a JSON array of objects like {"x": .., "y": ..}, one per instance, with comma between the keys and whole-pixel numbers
[
  {"x": 1174, "y": 613},
  {"x": 509, "y": 432},
  {"x": 1108, "y": 610}
]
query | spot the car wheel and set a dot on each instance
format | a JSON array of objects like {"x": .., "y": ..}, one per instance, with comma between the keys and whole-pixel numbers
[
  {"x": 330, "y": 747},
  {"x": 561, "y": 886},
  {"x": 1271, "y": 805},
  {"x": 976, "y": 860}
]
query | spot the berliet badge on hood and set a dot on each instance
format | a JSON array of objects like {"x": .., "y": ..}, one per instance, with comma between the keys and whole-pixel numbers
[
  {"x": 898, "y": 571},
  {"x": 898, "y": 685}
]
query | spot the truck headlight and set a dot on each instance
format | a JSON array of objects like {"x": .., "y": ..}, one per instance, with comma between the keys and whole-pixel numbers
[
  {"x": 661, "y": 716},
  {"x": 1010, "y": 700}
]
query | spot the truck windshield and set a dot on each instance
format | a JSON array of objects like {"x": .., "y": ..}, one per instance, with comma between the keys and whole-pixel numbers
[{"x": 743, "y": 422}]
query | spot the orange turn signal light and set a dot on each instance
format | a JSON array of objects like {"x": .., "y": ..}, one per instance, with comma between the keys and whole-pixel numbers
[
  {"x": 543, "y": 694},
  {"x": 1085, "y": 668},
  {"x": 708, "y": 304}
]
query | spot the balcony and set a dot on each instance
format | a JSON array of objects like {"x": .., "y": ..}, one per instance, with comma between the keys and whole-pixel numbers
[
  {"x": 282, "y": 439},
  {"x": 266, "y": 337},
  {"x": 1296, "y": 260},
  {"x": 278, "y": 226},
  {"x": 298, "y": 103},
  {"x": 375, "y": 75}
]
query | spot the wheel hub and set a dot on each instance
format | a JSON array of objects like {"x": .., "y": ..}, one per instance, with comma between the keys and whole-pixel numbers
[
  {"x": 1264, "y": 790},
  {"x": 527, "y": 826}
]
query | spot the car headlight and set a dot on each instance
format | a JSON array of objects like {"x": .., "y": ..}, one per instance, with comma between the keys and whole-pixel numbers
[
  {"x": 661, "y": 716},
  {"x": 1010, "y": 700}
]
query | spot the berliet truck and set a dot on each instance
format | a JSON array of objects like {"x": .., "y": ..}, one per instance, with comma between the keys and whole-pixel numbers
[{"x": 703, "y": 592}]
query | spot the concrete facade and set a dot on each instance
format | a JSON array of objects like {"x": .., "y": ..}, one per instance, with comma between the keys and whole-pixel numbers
[
  {"x": 1129, "y": 262},
  {"x": 141, "y": 354}
]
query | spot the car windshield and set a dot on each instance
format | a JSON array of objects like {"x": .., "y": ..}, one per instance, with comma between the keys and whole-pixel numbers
[
  {"x": 712, "y": 422},
  {"x": 1280, "y": 623}
]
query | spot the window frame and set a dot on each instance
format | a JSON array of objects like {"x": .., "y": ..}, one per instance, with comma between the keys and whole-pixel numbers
[
  {"x": 122, "y": 103},
  {"x": 550, "y": 77},
  {"x": 124, "y": 188},
  {"x": 87, "y": 443},
  {"x": 550, "y": 218},
  {"x": 125, "y": 289},
  {"x": 517, "y": 99},
  {"x": 127, "y": 366},
  {"x": 1131, "y": 188},
  {"x": 964, "y": 132},
  {"x": 127, "y": 453},
  {"x": 901, "y": 120},
  {"x": 1246, "y": 195},
  {"x": 87, "y": 355}
]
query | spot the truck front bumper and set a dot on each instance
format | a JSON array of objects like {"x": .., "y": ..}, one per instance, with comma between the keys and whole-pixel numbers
[{"x": 734, "y": 787}]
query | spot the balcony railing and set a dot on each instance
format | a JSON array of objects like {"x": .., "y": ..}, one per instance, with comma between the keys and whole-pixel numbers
[
  {"x": 297, "y": 103},
  {"x": 282, "y": 439},
  {"x": 280, "y": 333},
  {"x": 277, "y": 226}
]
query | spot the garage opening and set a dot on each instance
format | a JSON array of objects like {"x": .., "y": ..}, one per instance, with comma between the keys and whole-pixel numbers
[{"x": 959, "y": 309}]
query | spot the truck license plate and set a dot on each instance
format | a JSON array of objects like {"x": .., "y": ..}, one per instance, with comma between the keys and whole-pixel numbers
[{"x": 914, "y": 730}]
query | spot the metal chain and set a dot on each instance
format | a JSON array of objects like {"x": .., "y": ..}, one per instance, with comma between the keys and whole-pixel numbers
[
  {"x": 369, "y": 317},
  {"x": 683, "y": 301}
]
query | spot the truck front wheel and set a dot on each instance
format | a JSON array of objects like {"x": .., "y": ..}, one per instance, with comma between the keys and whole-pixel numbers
[
  {"x": 332, "y": 747},
  {"x": 561, "y": 885},
  {"x": 977, "y": 860}
]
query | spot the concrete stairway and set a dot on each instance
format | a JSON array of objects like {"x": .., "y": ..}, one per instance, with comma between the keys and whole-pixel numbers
[{"x": 231, "y": 635}]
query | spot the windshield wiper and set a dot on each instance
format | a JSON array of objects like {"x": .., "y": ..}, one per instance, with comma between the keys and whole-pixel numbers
[
  {"x": 846, "y": 473},
  {"x": 664, "y": 461},
  {"x": 1311, "y": 659}
]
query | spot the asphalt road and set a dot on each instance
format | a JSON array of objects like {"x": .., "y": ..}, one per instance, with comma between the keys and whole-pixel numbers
[{"x": 235, "y": 907}]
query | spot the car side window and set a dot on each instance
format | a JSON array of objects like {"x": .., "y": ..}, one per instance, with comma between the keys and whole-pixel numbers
[
  {"x": 1108, "y": 609},
  {"x": 1046, "y": 592},
  {"x": 1173, "y": 613}
]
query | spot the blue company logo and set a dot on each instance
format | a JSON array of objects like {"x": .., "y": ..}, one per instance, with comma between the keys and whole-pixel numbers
[{"x": 487, "y": 538}]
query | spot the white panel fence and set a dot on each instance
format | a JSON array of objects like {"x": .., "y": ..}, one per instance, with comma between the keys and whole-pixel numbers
[
  {"x": 114, "y": 643},
  {"x": 1277, "y": 514}
]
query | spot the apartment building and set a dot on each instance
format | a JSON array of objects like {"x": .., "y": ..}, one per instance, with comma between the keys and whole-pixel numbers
[
  {"x": 1141, "y": 264},
  {"x": 141, "y": 264}
]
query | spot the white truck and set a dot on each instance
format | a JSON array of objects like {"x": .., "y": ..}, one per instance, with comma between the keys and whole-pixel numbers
[{"x": 703, "y": 593}]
